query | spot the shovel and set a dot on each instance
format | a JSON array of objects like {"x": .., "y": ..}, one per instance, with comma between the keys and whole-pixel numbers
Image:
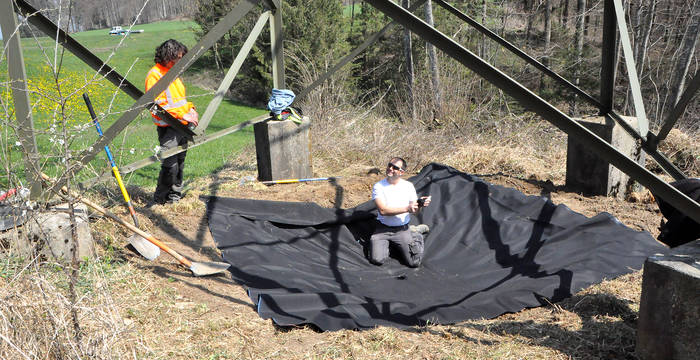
[
  {"x": 197, "y": 268},
  {"x": 145, "y": 248}
]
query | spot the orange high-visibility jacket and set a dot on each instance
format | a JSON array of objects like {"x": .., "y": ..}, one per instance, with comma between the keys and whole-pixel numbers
[{"x": 173, "y": 99}]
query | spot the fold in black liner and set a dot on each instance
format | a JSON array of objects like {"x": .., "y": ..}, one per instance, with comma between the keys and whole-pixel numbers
[{"x": 490, "y": 250}]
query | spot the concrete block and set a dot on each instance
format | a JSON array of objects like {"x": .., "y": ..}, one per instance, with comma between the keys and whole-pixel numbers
[
  {"x": 587, "y": 173},
  {"x": 669, "y": 312},
  {"x": 50, "y": 233},
  {"x": 283, "y": 150}
]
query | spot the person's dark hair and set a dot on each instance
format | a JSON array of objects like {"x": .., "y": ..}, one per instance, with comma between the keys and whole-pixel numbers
[
  {"x": 403, "y": 167},
  {"x": 168, "y": 51}
]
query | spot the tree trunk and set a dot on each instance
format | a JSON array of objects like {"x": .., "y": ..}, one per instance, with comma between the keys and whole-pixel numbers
[
  {"x": 482, "y": 48},
  {"x": 408, "y": 54},
  {"x": 352, "y": 15},
  {"x": 586, "y": 22},
  {"x": 547, "y": 39},
  {"x": 685, "y": 54},
  {"x": 530, "y": 15},
  {"x": 565, "y": 13},
  {"x": 667, "y": 30},
  {"x": 645, "y": 15},
  {"x": 504, "y": 19},
  {"x": 432, "y": 58},
  {"x": 580, "y": 18}
]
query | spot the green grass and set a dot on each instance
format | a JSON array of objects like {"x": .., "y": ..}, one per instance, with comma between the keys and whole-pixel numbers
[
  {"x": 347, "y": 11},
  {"x": 132, "y": 57}
]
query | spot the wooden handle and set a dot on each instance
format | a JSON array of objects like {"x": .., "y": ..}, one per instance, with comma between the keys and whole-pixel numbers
[{"x": 133, "y": 228}]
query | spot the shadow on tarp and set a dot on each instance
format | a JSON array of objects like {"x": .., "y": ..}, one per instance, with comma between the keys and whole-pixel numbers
[{"x": 490, "y": 250}]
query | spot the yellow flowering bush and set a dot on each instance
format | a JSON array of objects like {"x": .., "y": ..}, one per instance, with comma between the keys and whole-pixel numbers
[{"x": 53, "y": 100}]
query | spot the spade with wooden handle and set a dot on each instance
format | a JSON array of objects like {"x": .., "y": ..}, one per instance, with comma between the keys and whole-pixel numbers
[
  {"x": 143, "y": 247},
  {"x": 197, "y": 268}
]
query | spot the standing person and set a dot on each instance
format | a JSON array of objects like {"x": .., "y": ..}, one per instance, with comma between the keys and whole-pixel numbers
[
  {"x": 174, "y": 101},
  {"x": 396, "y": 200}
]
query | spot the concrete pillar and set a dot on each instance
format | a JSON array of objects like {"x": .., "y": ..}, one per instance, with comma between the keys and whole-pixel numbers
[
  {"x": 669, "y": 312},
  {"x": 283, "y": 150},
  {"x": 587, "y": 173}
]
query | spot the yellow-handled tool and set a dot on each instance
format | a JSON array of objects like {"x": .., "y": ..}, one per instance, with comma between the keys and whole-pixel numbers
[
  {"x": 145, "y": 248},
  {"x": 197, "y": 268}
]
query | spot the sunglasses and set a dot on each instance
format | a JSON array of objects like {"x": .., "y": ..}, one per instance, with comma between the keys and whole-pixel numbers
[{"x": 396, "y": 168}]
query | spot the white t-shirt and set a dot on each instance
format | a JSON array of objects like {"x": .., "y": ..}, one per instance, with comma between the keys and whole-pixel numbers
[{"x": 394, "y": 196}]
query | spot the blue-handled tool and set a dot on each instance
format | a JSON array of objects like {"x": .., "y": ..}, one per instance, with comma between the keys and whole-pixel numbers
[
  {"x": 291, "y": 181},
  {"x": 145, "y": 248}
]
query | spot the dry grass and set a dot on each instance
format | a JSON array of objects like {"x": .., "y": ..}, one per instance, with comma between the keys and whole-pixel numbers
[
  {"x": 35, "y": 312},
  {"x": 684, "y": 150},
  {"x": 144, "y": 316}
]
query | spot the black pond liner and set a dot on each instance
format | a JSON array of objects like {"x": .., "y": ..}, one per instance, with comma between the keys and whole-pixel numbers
[{"x": 490, "y": 250}]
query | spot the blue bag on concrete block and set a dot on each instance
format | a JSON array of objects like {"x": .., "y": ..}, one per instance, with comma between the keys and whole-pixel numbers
[{"x": 280, "y": 100}]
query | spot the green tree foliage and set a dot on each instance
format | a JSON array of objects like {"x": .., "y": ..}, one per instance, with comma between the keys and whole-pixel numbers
[
  {"x": 315, "y": 34},
  {"x": 381, "y": 67}
]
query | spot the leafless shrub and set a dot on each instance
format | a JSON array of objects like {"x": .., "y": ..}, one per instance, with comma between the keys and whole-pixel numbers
[{"x": 46, "y": 311}]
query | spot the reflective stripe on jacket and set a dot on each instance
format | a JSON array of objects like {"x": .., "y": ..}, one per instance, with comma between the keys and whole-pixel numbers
[{"x": 173, "y": 99}]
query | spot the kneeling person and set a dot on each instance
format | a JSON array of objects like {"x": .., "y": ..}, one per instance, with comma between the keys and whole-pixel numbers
[{"x": 396, "y": 200}]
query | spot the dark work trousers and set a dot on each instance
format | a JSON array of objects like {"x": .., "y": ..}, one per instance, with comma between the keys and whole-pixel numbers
[
  {"x": 170, "y": 178},
  {"x": 409, "y": 244}
]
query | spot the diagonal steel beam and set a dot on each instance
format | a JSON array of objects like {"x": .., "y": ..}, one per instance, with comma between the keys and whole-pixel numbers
[
  {"x": 538, "y": 105},
  {"x": 235, "y": 15},
  {"x": 521, "y": 54},
  {"x": 197, "y": 50},
  {"x": 231, "y": 73},
  {"x": 608, "y": 54},
  {"x": 679, "y": 108},
  {"x": 46, "y": 26},
  {"x": 20, "y": 96},
  {"x": 660, "y": 158},
  {"x": 369, "y": 41},
  {"x": 200, "y": 140},
  {"x": 277, "y": 47},
  {"x": 631, "y": 70}
]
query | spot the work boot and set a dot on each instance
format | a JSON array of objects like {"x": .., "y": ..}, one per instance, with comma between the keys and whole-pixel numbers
[
  {"x": 172, "y": 199},
  {"x": 421, "y": 229}
]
